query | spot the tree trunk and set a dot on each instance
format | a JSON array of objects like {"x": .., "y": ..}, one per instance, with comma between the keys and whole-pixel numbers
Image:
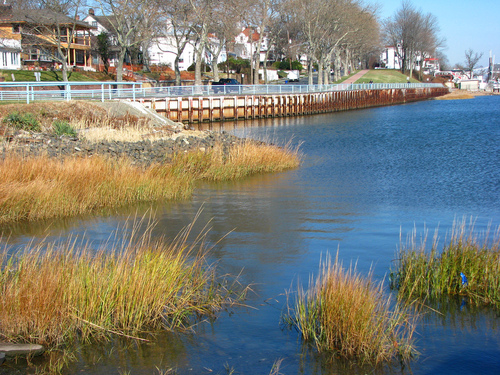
[
  {"x": 320, "y": 71},
  {"x": 64, "y": 70},
  {"x": 215, "y": 69},
  {"x": 177, "y": 71},
  {"x": 119, "y": 65},
  {"x": 310, "y": 68}
]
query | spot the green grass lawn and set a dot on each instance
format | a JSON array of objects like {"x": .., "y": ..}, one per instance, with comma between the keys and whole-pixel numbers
[
  {"x": 27, "y": 75},
  {"x": 385, "y": 76}
]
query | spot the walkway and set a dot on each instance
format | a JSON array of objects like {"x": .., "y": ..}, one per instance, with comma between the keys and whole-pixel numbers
[{"x": 357, "y": 76}]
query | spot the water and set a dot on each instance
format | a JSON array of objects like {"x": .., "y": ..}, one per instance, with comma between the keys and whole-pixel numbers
[{"x": 367, "y": 176}]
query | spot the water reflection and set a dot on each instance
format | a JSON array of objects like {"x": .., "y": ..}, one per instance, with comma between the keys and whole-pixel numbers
[{"x": 367, "y": 176}]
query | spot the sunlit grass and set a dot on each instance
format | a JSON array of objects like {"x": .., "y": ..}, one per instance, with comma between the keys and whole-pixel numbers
[
  {"x": 55, "y": 293},
  {"x": 41, "y": 187},
  {"x": 346, "y": 314},
  {"x": 422, "y": 272}
]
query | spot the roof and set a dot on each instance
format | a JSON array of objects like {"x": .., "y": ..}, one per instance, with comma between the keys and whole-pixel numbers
[
  {"x": 105, "y": 21},
  {"x": 255, "y": 35},
  {"x": 36, "y": 16}
]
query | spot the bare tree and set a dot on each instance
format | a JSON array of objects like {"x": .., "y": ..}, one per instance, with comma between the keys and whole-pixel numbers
[
  {"x": 222, "y": 29},
  {"x": 471, "y": 60},
  {"x": 413, "y": 34},
  {"x": 133, "y": 22},
  {"x": 177, "y": 26}
]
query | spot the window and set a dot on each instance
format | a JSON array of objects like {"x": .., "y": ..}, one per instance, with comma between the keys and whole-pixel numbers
[
  {"x": 4, "y": 58},
  {"x": 16, "y": 29},
  {"x": 94, "y": 23},
  {"x": 80, "y": 57},
  {"x": 14, "y": 58}
]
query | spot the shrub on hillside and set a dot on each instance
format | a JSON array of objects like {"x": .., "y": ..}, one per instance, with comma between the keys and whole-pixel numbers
[{"x": 25, "y": 121}]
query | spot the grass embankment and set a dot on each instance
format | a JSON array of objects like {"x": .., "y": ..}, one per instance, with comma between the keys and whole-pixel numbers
[
  {"x": 50, "y": 76},
  {"x": 348, "y": 315},
  {"x": 53, "y": 294},
  {"x": 41, "y": 188},
  {"x": 385, "y": 76},
  {"x": 422, "y": 273}
]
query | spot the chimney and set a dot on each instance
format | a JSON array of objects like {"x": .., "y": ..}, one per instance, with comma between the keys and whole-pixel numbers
[{"x": 91, "y": 12}]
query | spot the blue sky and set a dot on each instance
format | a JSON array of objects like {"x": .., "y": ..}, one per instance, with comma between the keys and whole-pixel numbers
[{"x": 464, "y": 24}]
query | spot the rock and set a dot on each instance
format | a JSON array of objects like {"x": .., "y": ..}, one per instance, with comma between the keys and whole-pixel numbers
[{"x": 13, "y": 350}]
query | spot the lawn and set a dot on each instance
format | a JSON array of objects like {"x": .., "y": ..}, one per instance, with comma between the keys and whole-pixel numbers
[
  {"x": 385, "y": 76},
  {"x": 28, "y": 75}
]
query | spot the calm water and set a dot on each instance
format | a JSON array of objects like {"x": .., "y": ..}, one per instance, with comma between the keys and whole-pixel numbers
[{"x": 367, "y": 176}]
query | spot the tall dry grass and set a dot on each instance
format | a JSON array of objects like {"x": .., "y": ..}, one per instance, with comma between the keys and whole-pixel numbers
[
  {"x": 349, "y": 315},
  {"x": 43, "y": 187},
  {"x": 429, "y": 273},
  {"x": 53, "y": 294}
]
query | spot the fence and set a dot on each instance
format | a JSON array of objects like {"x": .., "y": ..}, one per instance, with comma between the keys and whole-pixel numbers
[{"x": 35, "y": 91}]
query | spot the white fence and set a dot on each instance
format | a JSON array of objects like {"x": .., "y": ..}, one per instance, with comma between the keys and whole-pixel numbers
[{"x": 35, "y": 91}]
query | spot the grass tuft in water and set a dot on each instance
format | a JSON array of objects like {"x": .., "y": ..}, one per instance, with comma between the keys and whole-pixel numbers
[
  {"x": 53, "y": 293},
  {"x": 468, "y": 265},
  {"x": 41, "y": 187},
  {"x": 348, "y": 315}
]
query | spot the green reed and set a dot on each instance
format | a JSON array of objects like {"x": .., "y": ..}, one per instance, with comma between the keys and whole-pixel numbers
[{"x": 428, "y": 273}]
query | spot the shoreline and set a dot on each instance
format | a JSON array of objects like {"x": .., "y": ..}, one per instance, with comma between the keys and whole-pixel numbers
[{"x": 465, "y": 94}]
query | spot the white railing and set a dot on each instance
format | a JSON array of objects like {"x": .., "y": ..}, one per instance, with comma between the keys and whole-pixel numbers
[{"x": 33, "y": 91}]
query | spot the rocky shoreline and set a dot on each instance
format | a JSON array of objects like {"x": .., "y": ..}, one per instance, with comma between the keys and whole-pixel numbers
[{"x": 141, "y": 153}]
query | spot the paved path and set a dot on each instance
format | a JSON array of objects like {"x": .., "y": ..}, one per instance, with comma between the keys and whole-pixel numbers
[{"x": 357, "y": 76}]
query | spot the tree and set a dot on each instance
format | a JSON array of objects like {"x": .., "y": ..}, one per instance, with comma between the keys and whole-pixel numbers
[
  {"x": 177, "y": 26},
  {"x": 103, "y": 49},
  {"x": 471, "y": 60},
  {"x": 133, "y": 22}
]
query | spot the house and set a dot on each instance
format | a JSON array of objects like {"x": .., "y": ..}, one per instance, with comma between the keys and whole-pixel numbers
[
  {"x": 102, "y": 24},
  {"x": 245, "y": 44},
  {"x": 10, "y": 43},
  {"x": 389, "y": 58},
  {"x": 38, "y": 34}
]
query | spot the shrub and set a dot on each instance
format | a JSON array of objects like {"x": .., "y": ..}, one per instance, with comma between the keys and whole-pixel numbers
[
  {"x": 204, "y": 67},
  {"x": 63, "y": 128},
  {"x": 24, "y": 121}
]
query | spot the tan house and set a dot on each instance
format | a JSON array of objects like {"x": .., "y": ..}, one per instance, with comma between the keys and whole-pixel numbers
[{"x": 47, "y": 37}]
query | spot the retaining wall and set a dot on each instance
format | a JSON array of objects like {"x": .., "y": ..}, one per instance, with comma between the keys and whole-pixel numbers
[{"x": 219, "y": 108}]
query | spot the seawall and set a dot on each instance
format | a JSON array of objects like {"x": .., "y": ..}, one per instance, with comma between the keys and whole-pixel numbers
[{"x": 194, "y": 109}]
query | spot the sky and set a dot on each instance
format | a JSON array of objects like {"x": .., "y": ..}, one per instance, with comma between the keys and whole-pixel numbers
[{"x": 463, "y": 23}]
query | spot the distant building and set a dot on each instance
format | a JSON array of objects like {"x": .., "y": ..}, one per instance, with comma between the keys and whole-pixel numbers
[{"x": 389, "y": 59}]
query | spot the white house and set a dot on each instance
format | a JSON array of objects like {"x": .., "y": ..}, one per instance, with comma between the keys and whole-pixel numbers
[
  {"x": 245, "y": 44},
  {"x": 389, "y": 58},
  {"x": 10, "y": 54}
]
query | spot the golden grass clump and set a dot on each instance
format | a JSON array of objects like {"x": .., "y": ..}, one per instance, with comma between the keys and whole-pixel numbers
[
  {"x": 348, "y": 315},
  {"x": 422, "y": 273},
  {"x": 41, "y": 187},
  {"x": 53, "y": 294},
  {"x": 240, "y": 160}
]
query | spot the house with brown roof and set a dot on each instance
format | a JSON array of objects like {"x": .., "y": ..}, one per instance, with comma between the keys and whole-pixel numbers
[{"x": 46, "y": 37}]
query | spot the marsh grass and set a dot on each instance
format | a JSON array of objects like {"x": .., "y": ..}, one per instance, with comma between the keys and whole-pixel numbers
[
  {"x": 429, "y": 273},
  {"x": 346, "y": 314},
  {"x": 53, "y": 294},
  {"x": 43, "y": 187}
]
